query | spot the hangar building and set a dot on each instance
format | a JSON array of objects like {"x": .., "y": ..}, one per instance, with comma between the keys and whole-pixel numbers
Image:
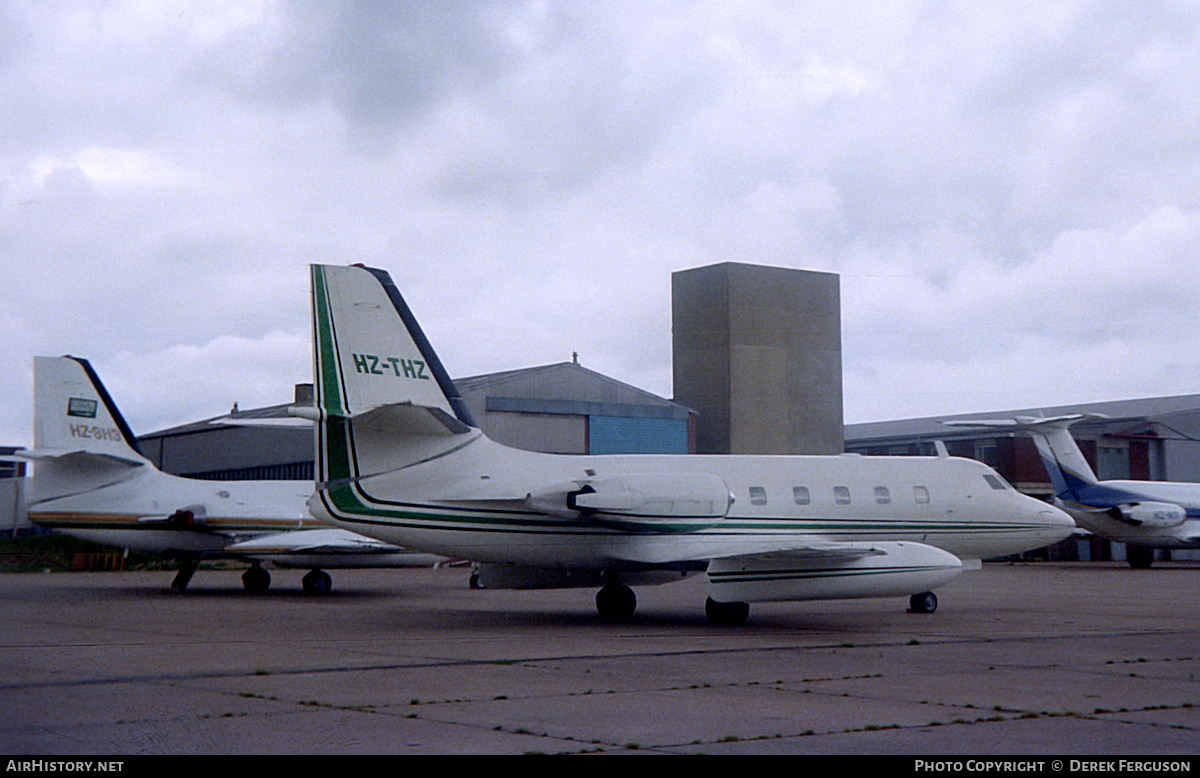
[{"x": 562, "y": 408}]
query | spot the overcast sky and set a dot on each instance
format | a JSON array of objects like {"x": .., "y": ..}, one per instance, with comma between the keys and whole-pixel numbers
[{"x": 1009, "y": 191}]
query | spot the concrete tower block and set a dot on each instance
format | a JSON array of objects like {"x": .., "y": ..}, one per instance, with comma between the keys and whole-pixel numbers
[{"x": 758, "y": 353}]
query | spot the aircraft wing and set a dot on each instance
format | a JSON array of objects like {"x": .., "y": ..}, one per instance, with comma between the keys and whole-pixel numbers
[
  {"x": 312, "y": 541},
  {"x": 329, "y": 548}
]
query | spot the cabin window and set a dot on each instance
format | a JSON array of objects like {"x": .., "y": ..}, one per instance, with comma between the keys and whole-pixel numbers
[
  {"x": 841, "y": 495},
  {"x": 800, "y": 495},
  {"x": 994, "y": 481},
  {"x": 758, "y": 495},
  {"x": 882, "y": 496},
  {"x": 921, "y": 495}
]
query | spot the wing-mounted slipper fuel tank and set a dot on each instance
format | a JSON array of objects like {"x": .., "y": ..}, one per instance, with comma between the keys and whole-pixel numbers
[
  {"x": 887, "y": 569},
  {"x": 683, "y": 502}
]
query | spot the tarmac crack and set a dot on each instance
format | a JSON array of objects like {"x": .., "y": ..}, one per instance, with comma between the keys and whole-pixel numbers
[{"x": 591, "y": 657}]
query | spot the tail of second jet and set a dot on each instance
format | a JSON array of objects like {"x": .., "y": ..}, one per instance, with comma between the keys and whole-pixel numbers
[
  {"x": 383, "y": 398},
  {"x": 81, "y": 441},
  {"x": 1065, "y": 463}
]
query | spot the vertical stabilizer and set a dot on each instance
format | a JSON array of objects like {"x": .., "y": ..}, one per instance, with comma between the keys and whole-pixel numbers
[
  {"x": 81, "y": 441},
  {"x": 1065, "y": 463},
  {"x": 73, "y": 412},
  {"x": 370, "y": 352},
  {"x": 383, "y": 397}
]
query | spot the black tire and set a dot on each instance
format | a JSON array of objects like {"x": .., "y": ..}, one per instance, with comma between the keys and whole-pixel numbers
[
  {"x": 726, "y": 614},
  {"x": 1139, "y": 557},
  {"x": 925, "y": 602},
  {"x": 316, "y": 582},
  {"x": 616, "y": 602},
  {"x": 256, "y": 580}
]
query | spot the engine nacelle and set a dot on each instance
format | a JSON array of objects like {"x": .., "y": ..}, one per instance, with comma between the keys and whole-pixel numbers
[
  {"x": 690, "y": 500},
  {"x": 187, "y": 518},
  {"x": 1152, "y": 515},
  {"x": 893, "y": 569}
]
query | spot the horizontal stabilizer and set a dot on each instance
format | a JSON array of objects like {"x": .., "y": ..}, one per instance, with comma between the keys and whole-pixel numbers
[
  {"x": 408, "y": 419},
  {"x": 75, "y": 455},
  {"x": 1026, "y": 422}
]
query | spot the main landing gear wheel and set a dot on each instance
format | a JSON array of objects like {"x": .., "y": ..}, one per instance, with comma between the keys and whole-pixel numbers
[
  {"x": 256, "y": 580},
  {"x": 316, "y": 582},
  {"x": 925, "y": 602},
  {"x": 1139, "y": 557},
  {"x": 616, "y": 602},
  {"x": 726, "y": 614}
]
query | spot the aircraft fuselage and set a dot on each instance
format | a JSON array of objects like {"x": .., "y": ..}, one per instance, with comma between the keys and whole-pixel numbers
[{"x": 475, "y": 503}]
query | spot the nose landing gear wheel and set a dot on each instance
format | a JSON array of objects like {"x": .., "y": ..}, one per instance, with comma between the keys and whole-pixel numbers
[{"x": 316, "y": 582}]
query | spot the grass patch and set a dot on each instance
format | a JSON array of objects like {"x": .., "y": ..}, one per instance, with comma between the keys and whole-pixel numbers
[{"x": 32, "y": 552}]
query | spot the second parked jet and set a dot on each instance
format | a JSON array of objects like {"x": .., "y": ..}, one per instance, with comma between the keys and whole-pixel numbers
[{"x": 91, "y": 481}]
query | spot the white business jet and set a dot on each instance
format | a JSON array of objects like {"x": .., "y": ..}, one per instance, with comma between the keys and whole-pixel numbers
[
  {"x": 399, "y": 458},
  {"x": 91, "y": 481},
  {"x": 1144, "y": 515}
]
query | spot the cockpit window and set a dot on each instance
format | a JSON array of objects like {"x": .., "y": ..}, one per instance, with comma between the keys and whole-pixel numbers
[{"x": 994, "y": 481}]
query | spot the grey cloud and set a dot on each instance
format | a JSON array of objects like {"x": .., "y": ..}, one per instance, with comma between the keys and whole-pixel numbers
[{"x": 382, "y": 65}]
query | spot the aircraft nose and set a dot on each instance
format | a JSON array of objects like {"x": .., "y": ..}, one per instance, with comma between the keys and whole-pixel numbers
[{"x": 1056, "y": 524}]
